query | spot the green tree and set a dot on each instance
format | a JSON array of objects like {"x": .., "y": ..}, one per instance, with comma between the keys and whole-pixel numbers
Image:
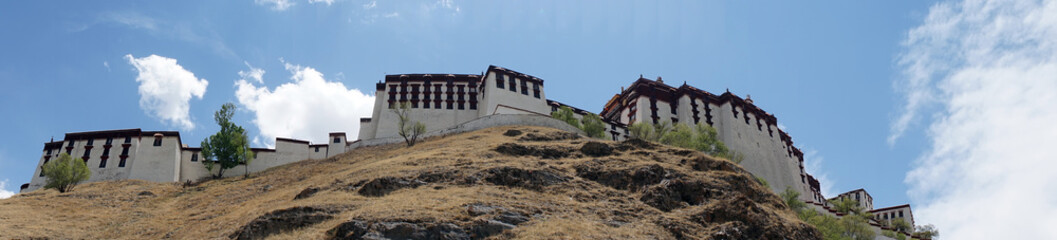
[
  {"x": 927, "y": 231},
  {"x": 593, "y": 126},
  {"x": 856, "y": 227},
  {"x": 660, "y": 129},
  {"x": 566, "y": 114},
  {"x": 680, "y": 136},
  {"x": 829, "y": 226},
  {"x": 792, "y": 199},
  {"x": 894, "y": 235},
  {"x": 650, "y": 132},
  {"x": 901, "y": 225},
  {"x": 408, "y": 129},
  {"x": 847, "y": 206},
  {"x": 641, "y": 130},
  {"x": 65, "y": 172},
  {"x": 709, "y": 142},
  {"x": 227, "y": 148}
]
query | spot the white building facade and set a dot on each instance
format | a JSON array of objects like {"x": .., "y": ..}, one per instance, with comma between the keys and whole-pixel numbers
[
  {"x": 161, "y": 156},
  {"x": 743, "y": 127}
]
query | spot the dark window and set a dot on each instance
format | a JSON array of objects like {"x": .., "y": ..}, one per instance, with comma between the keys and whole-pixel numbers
[
  {"x": 317, "y": 149},
  {"x": 157, "y": 142},
  {"x": 49, "y": 152},
  {"x": 194, "y": 157},
  {"x": 513, "y": 84},
  {"x": 124, "y": 152},
  {"x": 87, "y": 152},
  {"x": 90, "y": 142},
  {"x": 70, "y": 144},
  {"x": 128, "y": 139},
  {"x": 900, "y": 213},
  {"x": 337, "y": 140},
  {"x": 109, "y": 141},
  {"x": 425, "y": 96},
  {"x": 524, "y": 87},
  {"x": 536, "y": 90},
  {"x": 414, "y": 96},
  {"x": 106, "y": 151},
  {"x": 499, "y": 80},
  {"x": 102, "y": 163}
]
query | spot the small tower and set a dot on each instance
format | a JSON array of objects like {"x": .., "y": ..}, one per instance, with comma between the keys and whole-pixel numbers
[{"x": 336, "y": 144}]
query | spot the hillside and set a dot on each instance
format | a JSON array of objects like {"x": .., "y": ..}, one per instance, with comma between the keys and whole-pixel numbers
[{"x": 505, "y": 182}]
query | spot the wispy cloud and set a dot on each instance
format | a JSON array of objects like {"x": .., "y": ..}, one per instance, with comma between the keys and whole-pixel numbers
[
  {"x": 166, "y": 88},
  {"x": 253, "y": 73},
  {"x": 306, "y": 108},
  {"x": 107, "y": 65},
  {"x": 191, "y": 33},
  {"x": 989, "y": 67},
  {"x": 328, "y": 2},
  {"x": 813, "y": 165},
  {"x": 131, "y": 19},
  {"x": 370, "y": 5},
  {"x": 277, "y": 5}
]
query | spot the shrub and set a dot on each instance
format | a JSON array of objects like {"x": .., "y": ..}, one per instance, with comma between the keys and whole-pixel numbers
[
  {"x": 641, "y": 130},
  {"x": 763, "y": 182},
  {"x": 65, "y": 172},
  {"x": 850, "y": 227},
  {"x": 408, "y": 129},
  {"x": 593, "y": 126},
  {"x": 792, "y": 199},
  {"x": 847, "y": 206},
  {"x": 901, "y": 225},
  {"x": 566, "y": 114},
  {"x": 681, "y": 136},
  {"x": 927, "y": 231}
]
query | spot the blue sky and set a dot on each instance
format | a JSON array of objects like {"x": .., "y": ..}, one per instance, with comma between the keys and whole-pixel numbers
[{"x": 864, "y": 88}]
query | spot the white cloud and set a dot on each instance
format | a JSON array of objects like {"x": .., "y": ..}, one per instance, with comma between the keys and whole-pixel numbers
[
  {"x": 256, "y": 74},
  {"x": 306, "y": 108},
  {"x": 107, "y": 65},
  {"x": 391, "y": 15},
  {"x": 328, "y": 2},
  {"x": 990, "y": 67},
  {"x": 165, "y": 89},
  {"x": 813, "y": 166},
  {"x": 370, "y": 5},
  {"x": 4, "y": 193},
  {"x": 277, "y": 5}
]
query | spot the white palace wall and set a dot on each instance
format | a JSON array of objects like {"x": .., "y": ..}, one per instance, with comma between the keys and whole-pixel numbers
[
  {"x": 170, "y": 161},
  {"x": 766, "y": 154}
]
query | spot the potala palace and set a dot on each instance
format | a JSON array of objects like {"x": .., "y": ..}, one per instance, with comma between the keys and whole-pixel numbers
[{"x": 452, "y": 103}]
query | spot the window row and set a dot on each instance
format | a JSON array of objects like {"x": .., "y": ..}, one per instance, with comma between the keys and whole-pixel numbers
[
  {"x": 455, "y": 97},
  {"x": 501, "y": 78}
]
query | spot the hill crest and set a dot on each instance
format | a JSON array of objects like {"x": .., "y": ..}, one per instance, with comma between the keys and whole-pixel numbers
[{"x": 502, "y": 182}]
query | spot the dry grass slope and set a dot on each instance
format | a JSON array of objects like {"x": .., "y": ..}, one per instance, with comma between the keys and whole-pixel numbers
[{"x": 504, "y": 182}]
